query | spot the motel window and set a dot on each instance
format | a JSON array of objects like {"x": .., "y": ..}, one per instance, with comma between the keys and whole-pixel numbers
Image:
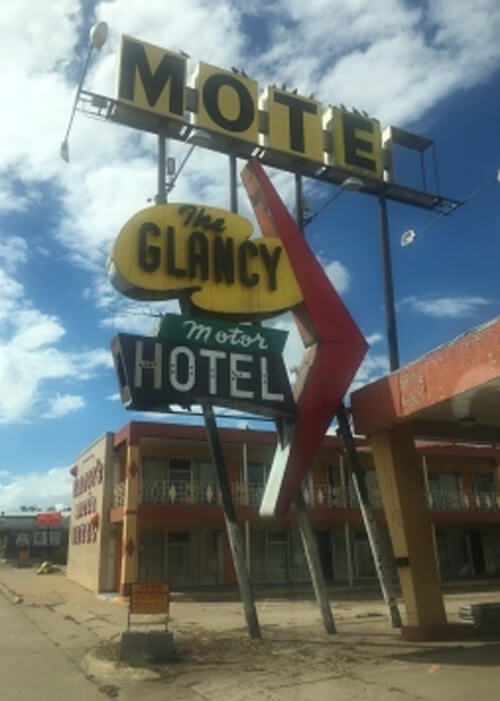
[
  {"x": 484, "y": 488},
  {"x": 178, "y": 537},
  {"x": 154, "y": 469},
  {"x": 178, "y": 558},
  {"x": 365, "y": 567},
  {"x": 257, "y": 472},
  {"x": 179, "y": 470},
  {"x": 270, "y": 556},
  {"x": 277, "y": 556},
  {"x": 333, "y": 476},
  {"x": 204, "y": 472},
  {"x": 483, "y": 482}
]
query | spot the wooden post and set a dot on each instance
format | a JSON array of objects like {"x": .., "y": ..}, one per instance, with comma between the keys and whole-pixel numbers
[{"x": 232, "y": 528}]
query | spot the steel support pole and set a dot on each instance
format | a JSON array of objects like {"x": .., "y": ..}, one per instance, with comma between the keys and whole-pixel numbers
[
  {"x": 232, "y": 528},
  {"x": 247, "y": 522},
  {"x": 306, "y": 531},
  {"x": 378, "y": 551},
  {"x": 299, "y": 202},
  {"x": 161, "y": 197},
  {"x": 348, "y": 547},
  {"x": 313, "y": 561},
  {"x": 233, "y": 183},
  {"x": 390, "y": 311}
]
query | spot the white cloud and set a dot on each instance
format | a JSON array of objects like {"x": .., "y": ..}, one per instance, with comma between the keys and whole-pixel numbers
[
  {"x": 372, "y": 368},
  {"x": 374, "y": 338},
  {"x": 141, "y": 319},
  {"x": 41, "y": 488},
  {"x": 392, "y": 59},
  {"x": 9, "y": 200},
  {"x": 63, "y": 404},
  {"x": 13, "y": 251},
  {"x": 113, "y": 397},
  {"x": 35, "y": 329},
  {"x": 30, "y": 358},
  {"x": 446, "y": 307},
  {"x": 337, "y": 274}
]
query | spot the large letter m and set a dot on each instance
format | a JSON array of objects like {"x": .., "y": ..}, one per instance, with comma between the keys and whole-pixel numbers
[{"x": 151, "y": 78}]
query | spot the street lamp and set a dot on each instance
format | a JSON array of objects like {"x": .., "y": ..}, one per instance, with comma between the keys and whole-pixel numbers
[
  {"x": 98, "y": 36},
  {"x": 355, "y": 184},
  {"x": 409, "y": 236},
  {"x": 352, "y": 183},
  {"x": 390, "y": 309}
]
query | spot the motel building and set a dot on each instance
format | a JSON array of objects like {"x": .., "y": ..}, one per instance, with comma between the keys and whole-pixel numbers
[{"x": 146, "y": 507}]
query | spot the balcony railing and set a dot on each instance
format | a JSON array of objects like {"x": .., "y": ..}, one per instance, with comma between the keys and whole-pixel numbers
[
  {"x": 185, "y": 493},
  {"x": 320, "y": 496},
  {"x": 457, "y": 500},
  {"x": 119, "y": 494},
  {"x": 247, "y": 493}
]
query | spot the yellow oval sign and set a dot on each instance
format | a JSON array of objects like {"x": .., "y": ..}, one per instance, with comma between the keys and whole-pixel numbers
[{"x": 170, "y": 248}]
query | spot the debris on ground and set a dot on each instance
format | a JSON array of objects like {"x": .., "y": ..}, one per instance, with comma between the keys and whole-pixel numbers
[{"x": 47, "y": 568}]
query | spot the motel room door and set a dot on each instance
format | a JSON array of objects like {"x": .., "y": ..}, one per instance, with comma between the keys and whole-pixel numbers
[{"x": 152, "y": 556}]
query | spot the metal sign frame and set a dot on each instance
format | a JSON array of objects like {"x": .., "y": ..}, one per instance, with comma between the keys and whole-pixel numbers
[{"x": 108, "y": 109}]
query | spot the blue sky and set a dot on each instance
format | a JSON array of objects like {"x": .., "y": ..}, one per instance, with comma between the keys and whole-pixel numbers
[{"x": 432, "y": 68}]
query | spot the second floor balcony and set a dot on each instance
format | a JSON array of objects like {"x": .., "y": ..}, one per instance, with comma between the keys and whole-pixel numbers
[
  {"x": 185, "y": 493},
  {"x": 163, "y": 492},
  {"x": 460, "y": 500}
]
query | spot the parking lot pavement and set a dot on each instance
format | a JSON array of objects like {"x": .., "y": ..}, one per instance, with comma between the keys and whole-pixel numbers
[{"x": 295, "y": 659}]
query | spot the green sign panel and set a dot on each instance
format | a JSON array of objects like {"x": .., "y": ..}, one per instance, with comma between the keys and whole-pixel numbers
[{"x": 221, "y": 334}]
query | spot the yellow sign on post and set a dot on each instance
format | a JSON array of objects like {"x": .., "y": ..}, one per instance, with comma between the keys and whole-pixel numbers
[
  {"x": 151, "y": 78},
  {"x": 205, "y": 252},
  {"x": 149, "y": 598},
  {"x": 228, "y": 103},
  {"x": 357, "y": 144},
  {"x": 294, "y": 124}
]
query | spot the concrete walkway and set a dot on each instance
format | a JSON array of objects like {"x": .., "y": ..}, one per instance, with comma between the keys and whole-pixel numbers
[{"x": 295, "y": 659}]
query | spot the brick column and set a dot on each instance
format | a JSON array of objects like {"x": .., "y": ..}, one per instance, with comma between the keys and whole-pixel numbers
[{"x": 130, "y": 545}]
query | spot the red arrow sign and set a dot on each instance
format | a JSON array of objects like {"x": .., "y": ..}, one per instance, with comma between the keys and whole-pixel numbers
[{"x": 334, "y": 344}]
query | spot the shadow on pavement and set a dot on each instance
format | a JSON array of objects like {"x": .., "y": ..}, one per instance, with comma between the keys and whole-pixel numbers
[{"x": 484, "y": 655}]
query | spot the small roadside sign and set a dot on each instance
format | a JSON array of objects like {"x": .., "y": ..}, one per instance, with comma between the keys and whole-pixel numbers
[{"x": 149, "y": 598}]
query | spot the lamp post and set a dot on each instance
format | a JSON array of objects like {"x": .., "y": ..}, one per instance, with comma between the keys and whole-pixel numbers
[
  {"x": 98, "y": 36},
  {"x": 410, "y": 235},
  {"x": 356, "y": 184},
  {"x": 390, "y": 309},
  {"x": 379, "y": 554}
]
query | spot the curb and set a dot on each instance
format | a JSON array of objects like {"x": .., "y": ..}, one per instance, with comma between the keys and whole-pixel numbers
[
  {"x": 10, "y": 595},
  {"x": 95, "y": 667}
]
